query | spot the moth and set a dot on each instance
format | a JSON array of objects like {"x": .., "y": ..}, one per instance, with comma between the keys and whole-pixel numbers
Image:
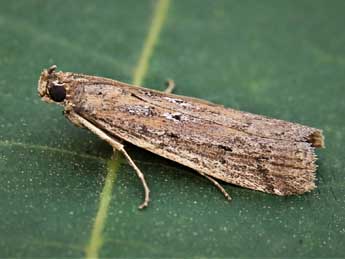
[{"x": 219, "y": 143}]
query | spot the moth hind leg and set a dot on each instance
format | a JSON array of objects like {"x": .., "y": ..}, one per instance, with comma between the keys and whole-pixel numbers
[{"x": 225, "y": 193}]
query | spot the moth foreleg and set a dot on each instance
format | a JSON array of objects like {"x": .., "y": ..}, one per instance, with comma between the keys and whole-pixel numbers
[
  {"x": 116, "y": 146},
  {"x": 226, "y": 194},
  {"x": 170, "y": 86}
]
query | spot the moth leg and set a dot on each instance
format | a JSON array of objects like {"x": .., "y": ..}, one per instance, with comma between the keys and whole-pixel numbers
[
  {"x": 116, "y": 146},
  {"x": 141, "y": 177},
  {"x": 226, "y": 194},
  {"x": 170, "y": 86}
]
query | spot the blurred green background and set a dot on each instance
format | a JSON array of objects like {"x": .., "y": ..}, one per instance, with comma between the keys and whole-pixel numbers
[{"x": 284, "y": 59}]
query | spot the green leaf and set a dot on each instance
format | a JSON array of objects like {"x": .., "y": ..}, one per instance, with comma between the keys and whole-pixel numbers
[{"x": 62, "y": 195}]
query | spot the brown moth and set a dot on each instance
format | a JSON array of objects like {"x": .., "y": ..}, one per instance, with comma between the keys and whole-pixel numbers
[{"x": 241, "y": 148}]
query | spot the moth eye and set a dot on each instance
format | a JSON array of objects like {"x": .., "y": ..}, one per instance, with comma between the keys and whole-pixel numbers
[{"x": 57, "y": 92}]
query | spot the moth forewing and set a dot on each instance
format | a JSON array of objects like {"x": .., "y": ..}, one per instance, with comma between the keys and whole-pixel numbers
[{"x": 248, "y": 150}]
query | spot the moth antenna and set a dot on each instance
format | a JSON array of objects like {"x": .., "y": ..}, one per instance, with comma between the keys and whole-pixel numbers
[{"x": 51, "y": 69}]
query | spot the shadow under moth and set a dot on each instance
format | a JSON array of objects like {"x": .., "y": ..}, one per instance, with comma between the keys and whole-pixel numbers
[{"x": 240, "y": 148}]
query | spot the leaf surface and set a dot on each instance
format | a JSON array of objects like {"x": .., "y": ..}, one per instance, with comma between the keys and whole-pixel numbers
[{"x": 281, "y": 59}]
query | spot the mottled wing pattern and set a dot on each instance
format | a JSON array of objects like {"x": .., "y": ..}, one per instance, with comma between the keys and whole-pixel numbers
[{"x": 249, "y": 150}]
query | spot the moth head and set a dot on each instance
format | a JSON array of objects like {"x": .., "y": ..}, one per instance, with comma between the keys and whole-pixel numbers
[{"x": 49, "y": 86}]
